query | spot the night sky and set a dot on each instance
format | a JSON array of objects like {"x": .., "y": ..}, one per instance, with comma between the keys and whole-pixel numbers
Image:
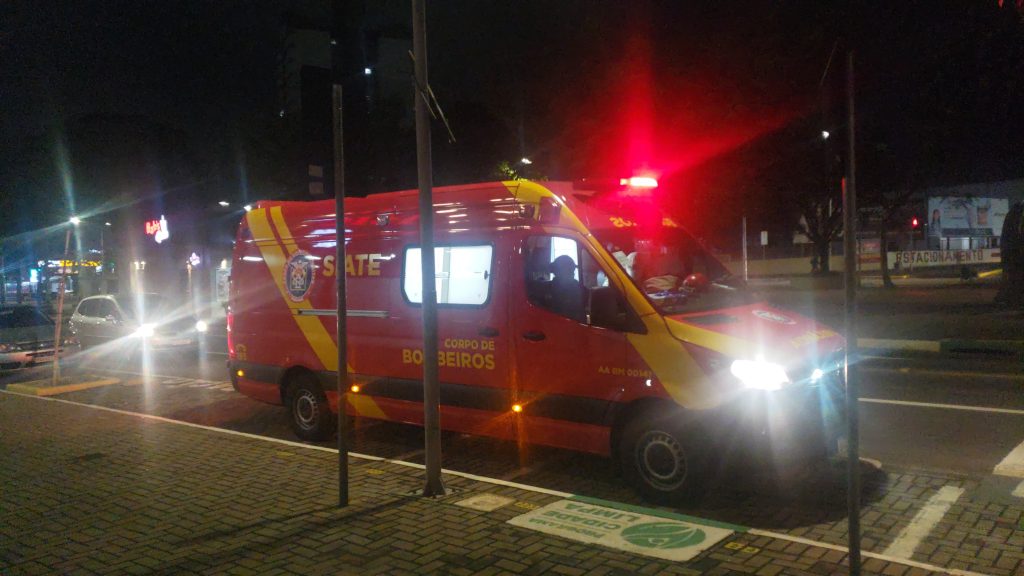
[{"x": 725, "y": 101}]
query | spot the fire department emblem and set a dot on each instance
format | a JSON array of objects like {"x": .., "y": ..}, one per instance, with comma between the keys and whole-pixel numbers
[{"x": 298, "y": 276}]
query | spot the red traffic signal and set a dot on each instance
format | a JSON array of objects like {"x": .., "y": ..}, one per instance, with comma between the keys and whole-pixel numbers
[{"x": 914, "y": 222}]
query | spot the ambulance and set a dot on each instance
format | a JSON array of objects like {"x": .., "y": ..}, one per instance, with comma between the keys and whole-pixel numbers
[{"x": 575, "y": 315}]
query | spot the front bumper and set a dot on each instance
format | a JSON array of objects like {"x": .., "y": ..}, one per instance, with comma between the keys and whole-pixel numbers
[
  {"x": 12, "y": 361},
  {"x": 783, "y": 427}
]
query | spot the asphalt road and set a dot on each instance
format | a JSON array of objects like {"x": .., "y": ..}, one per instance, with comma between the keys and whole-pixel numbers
[{"x": 959, "y": 415}]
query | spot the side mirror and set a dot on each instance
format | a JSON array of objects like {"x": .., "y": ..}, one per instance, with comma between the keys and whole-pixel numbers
[{"x": 111, "y": 319}]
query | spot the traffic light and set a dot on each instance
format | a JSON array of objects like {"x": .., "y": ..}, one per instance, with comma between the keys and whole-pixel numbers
[{"x": 915, "y": 223}]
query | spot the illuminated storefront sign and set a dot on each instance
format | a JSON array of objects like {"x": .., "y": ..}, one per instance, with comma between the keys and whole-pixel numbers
[
  {"x": 69, "y": 263},
  {"x": 158, "y": 229}
]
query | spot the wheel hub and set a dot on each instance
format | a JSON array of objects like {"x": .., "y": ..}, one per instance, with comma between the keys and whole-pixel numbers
[
  {"x": 661, "y": 460},
  {"x": 306, "y": 410}
]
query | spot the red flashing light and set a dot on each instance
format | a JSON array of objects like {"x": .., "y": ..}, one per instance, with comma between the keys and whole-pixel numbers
[
  {"x": 914, "y": 222},
  {"x": 639, "y": 182}
]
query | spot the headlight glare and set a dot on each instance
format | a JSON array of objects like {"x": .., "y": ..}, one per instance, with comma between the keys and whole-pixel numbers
[
  {"x": 145, "y": 331},
  {"x": 759, "y": 375},
  {"x": 201, "y": 326}
]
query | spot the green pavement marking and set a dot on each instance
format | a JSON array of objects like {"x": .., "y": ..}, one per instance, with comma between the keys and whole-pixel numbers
[
  {"x": 42, "y": 387},
  {"x": 583, "y": 520},
  {"x": 659, "y": 513}
]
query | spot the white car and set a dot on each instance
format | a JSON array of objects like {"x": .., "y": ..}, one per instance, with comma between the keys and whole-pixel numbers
[{"x": 133, "y": 319}]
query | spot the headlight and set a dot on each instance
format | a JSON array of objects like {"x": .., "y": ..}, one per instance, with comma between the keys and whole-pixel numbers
[
  {"x": 10, "y": 348},
  {"x": 144, "y": 331},
  {"x": 759, "y": 375},
  {"x": 201, "y": 326}
]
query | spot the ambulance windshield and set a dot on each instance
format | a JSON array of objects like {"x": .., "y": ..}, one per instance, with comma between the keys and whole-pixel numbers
[{"x": 668, "y": 265}]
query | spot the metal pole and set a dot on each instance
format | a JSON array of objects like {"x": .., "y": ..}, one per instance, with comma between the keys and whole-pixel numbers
[
  {"x": 852, "y": 395},
  {"x": 431, "y": 387},
  {"x": 745, "y": 270},
  {"x": 60, "y": 307},
  {"x": 342, "y": 311},
  {"x": 103, "y": 262}
]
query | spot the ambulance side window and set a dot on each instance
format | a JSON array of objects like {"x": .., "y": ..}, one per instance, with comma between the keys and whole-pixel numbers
[
  {"x": 553, "y": 275},
  {"x": 566, "y": 279},
  {"x": 462, "y": 275}
]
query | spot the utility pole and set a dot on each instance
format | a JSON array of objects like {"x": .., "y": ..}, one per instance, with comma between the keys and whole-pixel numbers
[
  {"x": 60, "y": 305},
  {"x": 852, "y": 394},
  {"x": 341, "y": 383},
  {"x": 746, "y": 277},
  {"x": 431, "y": 386}
]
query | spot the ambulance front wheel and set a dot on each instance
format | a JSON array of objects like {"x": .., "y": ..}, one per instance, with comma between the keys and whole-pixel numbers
[
  {"x": 664, "y": 457},
  {"x": 311, "y": 416}
]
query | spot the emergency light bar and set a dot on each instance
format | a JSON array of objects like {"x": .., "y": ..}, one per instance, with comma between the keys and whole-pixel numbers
[
  {"x": 612, "y": 184},
  {"x": 639, "y": 182}
]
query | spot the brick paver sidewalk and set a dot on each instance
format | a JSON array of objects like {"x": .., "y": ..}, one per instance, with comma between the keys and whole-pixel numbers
[{"x": 88, "y": 490}]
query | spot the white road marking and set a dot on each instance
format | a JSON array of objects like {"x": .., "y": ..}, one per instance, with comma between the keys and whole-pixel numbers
[
  {"x": 864, "y": 553},
  {"x": 944, "y": 406},
  {"x": 923, "y": 522},
  {"x": 1013, "y": 464},
  {"x": 1019, "y": 490},
  {"x": 151, "y": 374},
  {"x": 876, "y": 464},
  {"x": 170, "y": 380},
  {"x": 487, "y": 480}
]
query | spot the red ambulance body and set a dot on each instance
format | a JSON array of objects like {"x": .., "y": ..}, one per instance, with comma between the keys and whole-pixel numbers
[{"x": 575, "y": 318}]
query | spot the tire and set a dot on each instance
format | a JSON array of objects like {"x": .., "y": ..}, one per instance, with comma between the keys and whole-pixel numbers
[
  {"x": 664, "y": 457},
  {"x": 310, "y": 415}
]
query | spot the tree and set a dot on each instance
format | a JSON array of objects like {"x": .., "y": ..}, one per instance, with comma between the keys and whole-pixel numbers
[
  {"x": 892, "y": 208},
  {"x": 821, "y": 222}
]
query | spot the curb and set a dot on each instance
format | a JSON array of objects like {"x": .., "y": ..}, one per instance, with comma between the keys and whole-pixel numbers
[
  {"x": 945, "y": 346},
  {"x": 42, "y": 388}
]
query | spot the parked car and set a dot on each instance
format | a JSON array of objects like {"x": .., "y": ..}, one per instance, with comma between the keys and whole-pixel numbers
[
  {"x": 133, "y": 319},
  {"x": 26, "y": 337}
]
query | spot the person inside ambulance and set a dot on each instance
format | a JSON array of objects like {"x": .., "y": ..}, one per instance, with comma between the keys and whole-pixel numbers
[{"x": 566, "y": 293}]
